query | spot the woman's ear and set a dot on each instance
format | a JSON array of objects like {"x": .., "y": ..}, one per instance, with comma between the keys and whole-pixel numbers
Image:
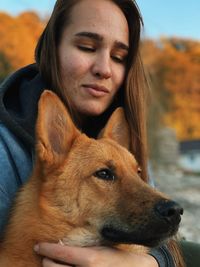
[
  {"x": 55, "y": 131},
  {"x": 117, "y": 128}
]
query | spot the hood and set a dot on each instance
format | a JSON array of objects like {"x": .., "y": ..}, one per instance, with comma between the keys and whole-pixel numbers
[{"x": 19, "y": 95}]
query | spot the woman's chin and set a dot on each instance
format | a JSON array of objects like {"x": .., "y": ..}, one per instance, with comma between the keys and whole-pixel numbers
[{"x": 93, "y": 110}]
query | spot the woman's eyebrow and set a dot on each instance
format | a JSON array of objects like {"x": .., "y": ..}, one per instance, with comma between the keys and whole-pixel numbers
[
  {"x": 94, "y": 36},
  {"x": 99, "y": 38},
  {"x": 121, "y": 45}
]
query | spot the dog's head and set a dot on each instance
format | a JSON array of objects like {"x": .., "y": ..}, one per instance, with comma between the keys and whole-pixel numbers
[{"x": 91, "y": 190}]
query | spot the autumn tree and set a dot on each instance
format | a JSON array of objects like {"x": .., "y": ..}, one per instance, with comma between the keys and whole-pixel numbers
[
  {"x": 19, "y": 36},
  {"x": 174, "y": 65},
  {"x": 5, "y": 67}
]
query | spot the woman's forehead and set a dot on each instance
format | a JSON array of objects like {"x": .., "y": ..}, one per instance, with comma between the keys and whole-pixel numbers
[{"x": 100, "y": 16}]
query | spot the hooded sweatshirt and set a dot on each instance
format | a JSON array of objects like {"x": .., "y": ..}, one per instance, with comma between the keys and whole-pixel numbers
[{"x": 19, "y": 95}]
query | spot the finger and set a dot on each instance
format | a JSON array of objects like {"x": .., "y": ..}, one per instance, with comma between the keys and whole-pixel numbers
[
  {"x": 69, "y": 255},
  {"x": 49, "y": 263}
]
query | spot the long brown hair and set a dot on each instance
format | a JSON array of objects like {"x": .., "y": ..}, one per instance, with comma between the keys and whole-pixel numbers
[{"x": 132, "y": 94}]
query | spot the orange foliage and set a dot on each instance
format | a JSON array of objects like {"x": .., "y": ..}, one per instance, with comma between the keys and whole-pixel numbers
[
  {"x": 175, "y": 65},
  {"x": 19, "y": 36}
]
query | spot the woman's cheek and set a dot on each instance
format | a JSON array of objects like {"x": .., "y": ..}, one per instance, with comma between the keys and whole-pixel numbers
[
  {"x": 120, "y": 76},
  {"x": 77, "y": 66}
]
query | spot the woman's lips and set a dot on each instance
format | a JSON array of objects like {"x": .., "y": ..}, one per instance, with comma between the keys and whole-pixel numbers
[{"x": 96, "y": 90}]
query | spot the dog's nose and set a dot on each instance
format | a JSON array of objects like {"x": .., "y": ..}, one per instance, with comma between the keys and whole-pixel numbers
[{"x": 169, "y": 210}]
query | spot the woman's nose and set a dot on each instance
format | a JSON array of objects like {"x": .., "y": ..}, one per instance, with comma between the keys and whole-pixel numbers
[{"x": 102, "y": 66}]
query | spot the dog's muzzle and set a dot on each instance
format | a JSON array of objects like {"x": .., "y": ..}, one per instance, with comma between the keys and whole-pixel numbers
[{"x": 150, "y": 230}]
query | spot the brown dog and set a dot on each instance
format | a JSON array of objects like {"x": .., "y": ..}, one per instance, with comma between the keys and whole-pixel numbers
[{"x": 84, "y": 192}]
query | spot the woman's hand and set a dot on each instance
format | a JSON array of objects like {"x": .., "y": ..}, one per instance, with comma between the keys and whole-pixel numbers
[{"x": 56, "y": 255}]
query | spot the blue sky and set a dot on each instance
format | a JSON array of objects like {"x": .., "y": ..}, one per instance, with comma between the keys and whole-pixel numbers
[
  {"x": 171, "y": 17},
  {"x": 161, "y": 17}
]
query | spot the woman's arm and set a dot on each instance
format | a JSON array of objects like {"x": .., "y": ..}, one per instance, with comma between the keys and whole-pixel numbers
[
  {"x": 15, "y": 166},
  {"x": 8, "y": 183},
  {"x": 56, "y": 255}
]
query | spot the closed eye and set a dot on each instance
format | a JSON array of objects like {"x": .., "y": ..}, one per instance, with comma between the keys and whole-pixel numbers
[
  {"x": 87, "y": 48},
  {"x": 105, "y": 174},
  {"x": 119, "y": 59}
]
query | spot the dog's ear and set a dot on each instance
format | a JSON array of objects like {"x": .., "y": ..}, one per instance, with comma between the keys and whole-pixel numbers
[
  {"x": 117, "y": 128},
  {"x": 55, "y": 131}
]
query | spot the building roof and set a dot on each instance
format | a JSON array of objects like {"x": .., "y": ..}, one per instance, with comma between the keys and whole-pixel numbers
[{"x": 190, "y": 145}]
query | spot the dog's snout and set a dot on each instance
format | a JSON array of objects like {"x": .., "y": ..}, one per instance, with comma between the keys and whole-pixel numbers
[{"x": 169, "y": 211}]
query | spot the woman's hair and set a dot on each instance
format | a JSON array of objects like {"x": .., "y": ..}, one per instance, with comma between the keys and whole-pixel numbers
[{"x": 132, "y": 95}]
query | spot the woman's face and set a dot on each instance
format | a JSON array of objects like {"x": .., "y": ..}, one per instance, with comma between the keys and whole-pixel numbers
[{"x": 92, "y": 55}]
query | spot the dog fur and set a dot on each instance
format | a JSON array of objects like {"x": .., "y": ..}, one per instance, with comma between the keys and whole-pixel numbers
[{"x": 82, "y": 191}]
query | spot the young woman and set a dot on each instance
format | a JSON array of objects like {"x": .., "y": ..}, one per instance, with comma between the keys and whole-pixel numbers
[{"x": 89, "y": 55}]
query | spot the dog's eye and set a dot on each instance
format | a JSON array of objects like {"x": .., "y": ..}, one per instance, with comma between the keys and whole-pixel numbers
[{"x": 105, "y": 174}]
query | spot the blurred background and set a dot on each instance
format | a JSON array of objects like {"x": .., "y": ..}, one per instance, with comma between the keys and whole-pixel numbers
[{"x": 171, "y": 53}]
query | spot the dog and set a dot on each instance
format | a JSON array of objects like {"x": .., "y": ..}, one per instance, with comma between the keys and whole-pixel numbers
[{"x": 84, "y": 192}]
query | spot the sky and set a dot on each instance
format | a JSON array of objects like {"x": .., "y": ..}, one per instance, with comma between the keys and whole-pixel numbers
[{"x": 162, "y": 18}]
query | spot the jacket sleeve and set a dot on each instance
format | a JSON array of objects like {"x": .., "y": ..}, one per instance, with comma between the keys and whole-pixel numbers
[
  {"x": 15, "y": 166},
  {"x": 162, "y": 256}
]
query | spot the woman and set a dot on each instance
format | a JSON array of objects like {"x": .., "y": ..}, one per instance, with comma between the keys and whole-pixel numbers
[{"x": 89, "y": 55}]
